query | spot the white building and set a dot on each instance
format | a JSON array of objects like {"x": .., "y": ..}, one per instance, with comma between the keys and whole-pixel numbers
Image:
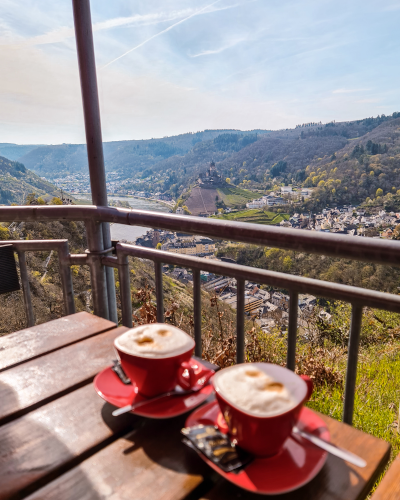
[{"x": 306, "y": 193}]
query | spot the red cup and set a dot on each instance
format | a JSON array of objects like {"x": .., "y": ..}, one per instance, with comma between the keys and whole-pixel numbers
[
  {"x": 264, "y": 436},
  {"x": 154, "y": 376}
]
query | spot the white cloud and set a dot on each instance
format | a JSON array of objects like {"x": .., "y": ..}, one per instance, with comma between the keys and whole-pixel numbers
[
  {"x": 197, "y": 12},
  {"x": 218, "y": 50},
  {"x": 63, "y": 33},
  {"x": 349, "y": 91}
]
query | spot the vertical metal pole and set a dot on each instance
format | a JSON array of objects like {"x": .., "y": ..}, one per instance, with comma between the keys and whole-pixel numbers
[
  {"x": 94, "y": 141},
  {"x": 125, "y": 290},
  {"x": 292, "y": 330},
  {"x": 351, "y": 373},
  {"x": 240, "y": 351},
  {"x": 66, "y": 279},
  {"x": 97, "y": 271},
  {"x": 159, "y": 292},
  {"x": 111, "y": 293},
  {"x": 197, "y": 311},
  {"x": 30, "y": 317}
]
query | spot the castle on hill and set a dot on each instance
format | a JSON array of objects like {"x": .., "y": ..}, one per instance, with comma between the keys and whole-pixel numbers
[{"x": 210, "y": 178}]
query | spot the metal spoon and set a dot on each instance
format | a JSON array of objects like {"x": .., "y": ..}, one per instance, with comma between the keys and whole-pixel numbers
[
  {"x": 176, "y": 392},
  {"x": 331, "y": 448}
]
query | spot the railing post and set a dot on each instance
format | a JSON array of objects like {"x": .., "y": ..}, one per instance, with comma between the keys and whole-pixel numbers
[
  {"x": 94, "y": 141},
  {"x": 240, "y": 350},
  {"x": 97, "y": 271},
  {"x": 30, "y": 317},
  {"x": 292, "y": 331},
  {"x": 66, "y": 279},
  {"x": 125, "y": 289},
  {"x": 111, "y": 293},
  {"x": 197, "y": 311},
  {"x": 352, "y": 357},
  {"x": 159, "y": 291}
]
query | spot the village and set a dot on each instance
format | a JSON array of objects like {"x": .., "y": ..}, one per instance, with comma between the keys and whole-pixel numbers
[{"x": 267, "y": 307}]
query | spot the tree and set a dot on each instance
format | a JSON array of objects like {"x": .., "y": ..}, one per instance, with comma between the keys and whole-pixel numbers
[
  {"x": 228, "y": 181},
  {"x": 379, "y": 192},
  {"x": 287, "y": 263},
  {"x": 56, "y": 201},
  {"x": 396, "y": 233},
  {"x": 41, "y": 201},
  {"x": 30, "y": 198},
  {"x": 158, "y": 247},
  {"x": 4, "y": 233}
]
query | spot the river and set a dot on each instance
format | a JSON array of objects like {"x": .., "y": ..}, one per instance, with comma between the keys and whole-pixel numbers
[{"x": 130, "y": 233}]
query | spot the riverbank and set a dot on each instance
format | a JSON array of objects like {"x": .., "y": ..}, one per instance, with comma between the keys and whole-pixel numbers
[{"x": 84, "y": 196}]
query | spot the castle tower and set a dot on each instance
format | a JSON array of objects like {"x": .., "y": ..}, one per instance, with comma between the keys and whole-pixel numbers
[{"x": 212, "y": 168}]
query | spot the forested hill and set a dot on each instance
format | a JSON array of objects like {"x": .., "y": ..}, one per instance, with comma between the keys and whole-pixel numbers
[
  {"x": 124, "y": 157},
  {"x": 365, "y": 169},
  {"x": 16, "y": 182}
]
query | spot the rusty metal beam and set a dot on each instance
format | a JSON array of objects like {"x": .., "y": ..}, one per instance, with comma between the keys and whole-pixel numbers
[{"x": 386, "y": 252}]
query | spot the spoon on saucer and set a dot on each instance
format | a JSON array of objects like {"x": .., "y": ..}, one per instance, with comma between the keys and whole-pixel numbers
[
  {"x": 331, "y": 448},
  {"x": 178, "y": 391}
]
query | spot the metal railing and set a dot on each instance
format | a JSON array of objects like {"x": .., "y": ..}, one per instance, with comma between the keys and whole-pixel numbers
[{"x": 99, "y": 259}]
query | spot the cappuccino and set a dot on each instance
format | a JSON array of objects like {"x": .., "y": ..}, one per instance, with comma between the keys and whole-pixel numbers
[
  {"x": 254, "y": 391},
  {"x": 154, "y": 341}
]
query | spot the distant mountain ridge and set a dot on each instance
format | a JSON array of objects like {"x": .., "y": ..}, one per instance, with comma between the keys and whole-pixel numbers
[
  {"x": 345, "y": 162},
  {"x": 15, "y": 151},
  {"x": 125, "y": 157}
]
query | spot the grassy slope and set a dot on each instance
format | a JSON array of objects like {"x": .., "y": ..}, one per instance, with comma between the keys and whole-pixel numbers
[
  {"x": 376, "y": 403},
  {"x": 255, "y": 216},
  {"x": 233, "y": 196}
]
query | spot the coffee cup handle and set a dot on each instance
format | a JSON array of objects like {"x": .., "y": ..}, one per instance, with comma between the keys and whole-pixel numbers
[
  {"x": 310, "y": 386},
  {"x": 187, "y": 377}
]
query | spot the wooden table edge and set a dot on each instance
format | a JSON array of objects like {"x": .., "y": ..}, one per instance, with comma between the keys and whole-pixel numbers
[{"x": 106, "y": 329}]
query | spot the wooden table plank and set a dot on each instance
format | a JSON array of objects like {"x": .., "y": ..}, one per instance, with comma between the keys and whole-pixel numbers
[
  {"x": 30, "y": 343},
  {"x": 337, "y": 479},
  {"x": 37, "y": 446},
  {"x": 150, "y": 464},
  {"x": 389, "y": 487},
  {"x": 41, "y": 380}
]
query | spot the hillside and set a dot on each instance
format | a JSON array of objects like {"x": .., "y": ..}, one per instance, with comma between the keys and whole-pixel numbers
[
  {"x": 367, "y": 168},
  {"x": 202, "y": 201},
  {"x": 125, "y": 157},
  {"x": 206, "y": 200},
  {"x": 15, "y": 151},
  {"x": 254, "y": 216},
  {"x": 16, "y": 182},
  {"x": 346, "y": 162}
]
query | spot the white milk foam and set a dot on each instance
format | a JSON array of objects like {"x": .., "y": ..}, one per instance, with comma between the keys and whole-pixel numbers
[
  {"x": 154, "y": 341},
  {"x": 253, "y": 391}
]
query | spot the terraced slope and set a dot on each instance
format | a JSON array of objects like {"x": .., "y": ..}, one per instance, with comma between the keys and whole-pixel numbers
[
  {"x": 255, "y": 216},
  {"x": 202, "y": 201}
]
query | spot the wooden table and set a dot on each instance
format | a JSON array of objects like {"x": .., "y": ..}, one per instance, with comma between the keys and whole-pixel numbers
[{"x": 58, "y": 439}]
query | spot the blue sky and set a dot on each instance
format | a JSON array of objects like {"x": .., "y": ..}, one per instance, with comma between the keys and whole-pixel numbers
[{"x": 173, "y": 66}]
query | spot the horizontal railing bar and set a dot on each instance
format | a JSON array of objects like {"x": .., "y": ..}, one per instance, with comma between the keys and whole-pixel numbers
[
  {"x": 78, "y": 259},
  {"x": 385, "y": 252},
  {"x": 109, "y": 261},
  {"x": 35, "y": 245},
  {"x": 354, "y": 295}
]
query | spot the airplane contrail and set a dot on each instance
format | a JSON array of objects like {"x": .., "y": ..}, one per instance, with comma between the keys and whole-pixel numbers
[{"x": 161, "y": 32}]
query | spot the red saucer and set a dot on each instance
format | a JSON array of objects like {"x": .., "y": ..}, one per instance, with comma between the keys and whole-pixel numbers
[
  {"x": 109, "y": 387},
  {"x": 293, "y": 467}
]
